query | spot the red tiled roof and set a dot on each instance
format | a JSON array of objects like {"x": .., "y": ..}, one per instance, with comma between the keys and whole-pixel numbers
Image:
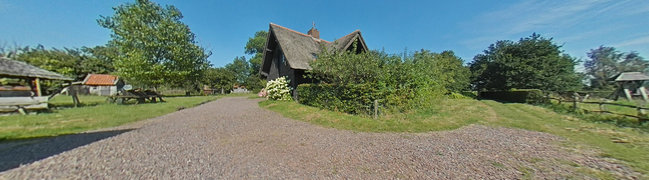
[{"x": 100, "y": 80}]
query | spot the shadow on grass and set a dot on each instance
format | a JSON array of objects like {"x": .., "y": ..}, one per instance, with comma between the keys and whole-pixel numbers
[{"x": 13, "y": 153}]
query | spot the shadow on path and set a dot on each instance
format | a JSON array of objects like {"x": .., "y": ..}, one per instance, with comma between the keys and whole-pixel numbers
[{"x": 16, "y": 152}]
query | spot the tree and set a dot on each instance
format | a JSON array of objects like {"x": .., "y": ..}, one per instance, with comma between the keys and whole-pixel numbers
[
  {"x": 255, "y": 46},
  {"x": 605, "y": 62},
  {"x": 72, "y": 62},
  {"x": 153, "y": 46},
  {"x": 240, "y": 68},
  {"x": 219, "y": 78},
  {"x": 533, "y": 62}
]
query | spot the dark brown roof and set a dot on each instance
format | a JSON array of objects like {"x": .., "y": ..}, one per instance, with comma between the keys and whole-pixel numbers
[
  {"x": 100, "y": 80},
  {"x": 630, "y": 76},
  {"x": 300, "y": 49},
  {"x": 13, "y": 68}
]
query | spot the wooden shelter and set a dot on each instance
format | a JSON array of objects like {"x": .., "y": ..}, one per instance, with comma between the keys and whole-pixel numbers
[
  {"x": 33, "y": 76},
  {"x": 630, "y": 84},
  {"x": 288, "y": 52}
]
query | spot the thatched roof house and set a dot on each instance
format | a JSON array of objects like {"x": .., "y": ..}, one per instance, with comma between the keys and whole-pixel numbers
[{"x": 289, "y": 52}]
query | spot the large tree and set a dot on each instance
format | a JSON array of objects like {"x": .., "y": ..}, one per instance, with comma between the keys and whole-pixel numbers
[
  {"x": 240, "y": 68},
  {"x": 154, "y": 47},
  {"x": 219, "y": 78},
  {"x": 605, "y": 62},
  {"x": 72, "y": 62},
  {"x": 255, "y": 46},
  {"x": 533, "y": 62}
]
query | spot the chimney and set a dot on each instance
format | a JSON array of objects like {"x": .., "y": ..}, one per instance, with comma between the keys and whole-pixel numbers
[{"x": 313, "y": 32}]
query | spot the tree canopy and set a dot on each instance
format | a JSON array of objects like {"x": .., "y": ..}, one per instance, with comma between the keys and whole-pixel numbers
[
  {"x": 605, "y": 62},
  {"x": 153, "y": 46},
  {"x": 533, "y": 62},
  {"x": 76, "y": 63}
]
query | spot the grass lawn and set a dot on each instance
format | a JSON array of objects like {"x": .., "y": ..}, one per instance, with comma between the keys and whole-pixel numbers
[
  {"x": 450, "y": 114},
  {"x": 94, "y": 113}
]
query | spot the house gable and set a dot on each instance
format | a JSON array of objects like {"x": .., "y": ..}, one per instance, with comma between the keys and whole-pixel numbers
[{"x": 300, "y": 49}]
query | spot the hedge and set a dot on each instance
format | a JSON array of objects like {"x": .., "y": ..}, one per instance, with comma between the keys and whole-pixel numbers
[
  {"x": 532, "y": 96},
  {"x": 353, "y": 99}
]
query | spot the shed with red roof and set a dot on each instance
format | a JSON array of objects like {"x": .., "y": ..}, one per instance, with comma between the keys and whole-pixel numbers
[{"x": 103, "y": 84}]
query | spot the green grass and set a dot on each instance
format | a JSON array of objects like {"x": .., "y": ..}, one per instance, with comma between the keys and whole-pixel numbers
[
  {"x": 448, "y": 114},
  {"x": 94, "y": 114}
]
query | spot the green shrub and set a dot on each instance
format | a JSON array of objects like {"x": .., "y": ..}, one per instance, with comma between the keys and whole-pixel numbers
[
  {"x": 353, "y": 99},
  {"x": 532, "y": 96}
]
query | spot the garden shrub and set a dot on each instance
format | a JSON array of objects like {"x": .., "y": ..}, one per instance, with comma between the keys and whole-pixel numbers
[
  {"x": 278, "y": 89},
  {"x": 350, "y": 82},
  {"x": 353, "y": 99},
  {"x": 531, "y": 96}
]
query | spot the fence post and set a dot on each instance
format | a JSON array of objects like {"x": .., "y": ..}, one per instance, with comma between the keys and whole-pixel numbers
[
  {"x": 642, "y": 116},
  {"x": 376, "y": 108},
  {"x": 574, "y": 102}
]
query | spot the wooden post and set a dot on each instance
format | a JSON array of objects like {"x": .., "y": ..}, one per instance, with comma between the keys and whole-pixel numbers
[
  {"x": 376, "y": 108},
  {"x": 575, "y": 98},
  {"x": 642, "y": 116},
  {"x": 73, "y": 92},
  {"x": 643, "y": 92},
  {"x": 38, "y": 87}
]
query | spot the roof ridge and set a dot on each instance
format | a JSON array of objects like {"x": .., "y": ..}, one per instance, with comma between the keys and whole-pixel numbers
[{"x": 285, "y": 28}]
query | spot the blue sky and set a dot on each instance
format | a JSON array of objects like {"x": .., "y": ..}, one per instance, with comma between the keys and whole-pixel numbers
[{"x": 466, "y": 27}]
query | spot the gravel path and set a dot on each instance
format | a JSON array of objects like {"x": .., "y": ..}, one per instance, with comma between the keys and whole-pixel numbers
[{"x": 234, "y": 138}]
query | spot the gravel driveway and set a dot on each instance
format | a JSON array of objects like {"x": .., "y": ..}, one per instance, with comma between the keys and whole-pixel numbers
[{"x": 234, "y": 138}]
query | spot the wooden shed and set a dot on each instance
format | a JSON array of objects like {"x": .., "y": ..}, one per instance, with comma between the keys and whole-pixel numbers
[
  {"x": 630, "y": 84},
  {"x": 29, "y": 94},
  {"x": 103, "y": 84}
]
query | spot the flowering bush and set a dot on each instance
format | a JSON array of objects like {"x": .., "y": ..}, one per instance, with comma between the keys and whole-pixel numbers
[{"x": 278, "y": 89}]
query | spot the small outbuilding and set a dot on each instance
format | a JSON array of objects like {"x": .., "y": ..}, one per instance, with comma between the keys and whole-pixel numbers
[
  {"x": 630, "y": 84},
  {"x": 24, "y": 91},
  {"x": 103, "y": 84}
]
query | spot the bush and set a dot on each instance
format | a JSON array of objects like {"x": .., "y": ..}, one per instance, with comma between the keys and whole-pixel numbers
[
  {"x": 532, "y": 96},
  {"x": 353, "y": 99},
  {"x": 278, "y": 89}
]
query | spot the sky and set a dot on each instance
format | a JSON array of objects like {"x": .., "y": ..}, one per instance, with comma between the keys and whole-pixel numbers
[{"x": 466, "y": 27}]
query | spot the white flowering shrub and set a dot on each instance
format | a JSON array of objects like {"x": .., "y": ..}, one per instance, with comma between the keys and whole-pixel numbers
[{"x": 278, "y": 89}]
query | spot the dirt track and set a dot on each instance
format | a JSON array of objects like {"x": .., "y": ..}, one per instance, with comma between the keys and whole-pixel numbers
[{"x": 234, "y": 138}]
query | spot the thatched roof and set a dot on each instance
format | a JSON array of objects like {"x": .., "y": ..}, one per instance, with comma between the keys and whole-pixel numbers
[
  {"x": 629, "y": 76},
  {"x": 13, "y": 68},
  {"x": 300, "y": 49}
]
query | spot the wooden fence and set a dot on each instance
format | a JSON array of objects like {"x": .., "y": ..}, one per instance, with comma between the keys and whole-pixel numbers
[{"x": 576, "y": 99}]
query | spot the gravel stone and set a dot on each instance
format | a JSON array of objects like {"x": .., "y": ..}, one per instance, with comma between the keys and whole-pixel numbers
[{"x": 233, "y": 138}]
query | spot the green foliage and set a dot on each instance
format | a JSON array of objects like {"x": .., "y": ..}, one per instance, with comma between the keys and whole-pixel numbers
[
  {"x": 399, "y": 84},
  {"x": 605, "y": 62},
  {"x": 219, "y": 78},
  {"x": 278, "y": 89},
  {"x": 531, "y": 63},
  {"x": 240, "y": 68},
  {"x": 350, "y": 98},
  {"x": 531, "y": 96},
  {"x": 76, "y": 63},
  {"x": 153, "y": 46},
  {"x": 255, "y": 46},
  {"x": 254, "y": 83}
]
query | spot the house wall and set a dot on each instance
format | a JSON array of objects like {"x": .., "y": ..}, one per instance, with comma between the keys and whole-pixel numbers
[{"x": 102, "y": 90}]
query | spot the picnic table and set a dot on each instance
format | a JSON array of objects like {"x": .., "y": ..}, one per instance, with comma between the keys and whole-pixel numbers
[{"x": 140, "y": 95}]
